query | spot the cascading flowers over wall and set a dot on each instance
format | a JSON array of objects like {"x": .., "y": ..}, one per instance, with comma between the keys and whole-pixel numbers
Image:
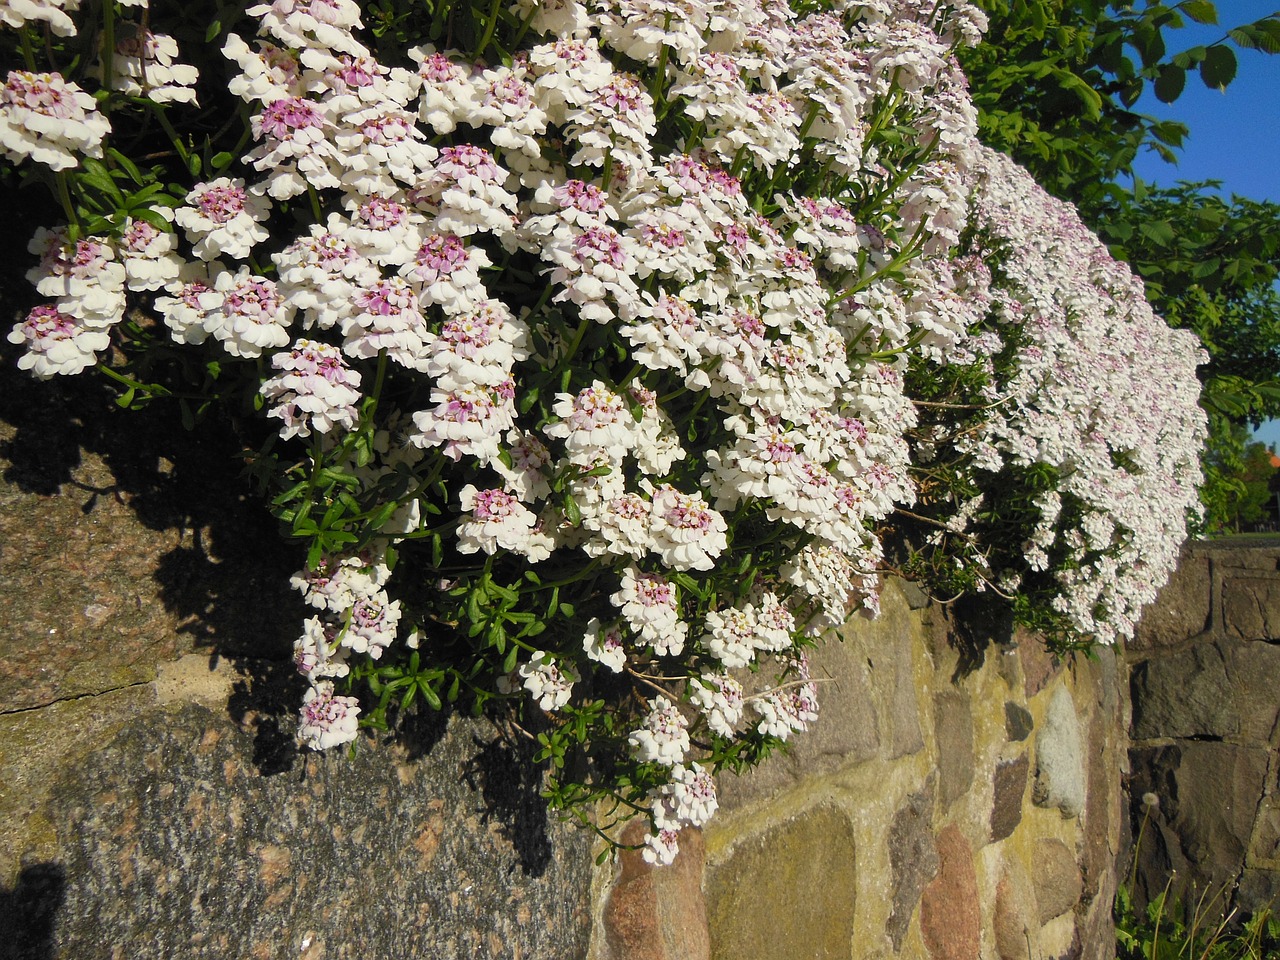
[{"x": 575, "y": 336}]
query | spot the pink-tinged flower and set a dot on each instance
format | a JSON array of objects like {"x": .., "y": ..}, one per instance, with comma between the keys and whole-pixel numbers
[
  {"x": 317, "y": 653},
  {"x": 651, "y": 606},
  {"x": 222, "y": 219},
  {"x": 294, "y": 148},
  {"x": 252, "y": 317},
  {"x": 188, "y": 301},
  {"x": 385, "y": 315},
  {"x": 526, "y": 476},
  {"x": 595, "y": 423},
  {"x": 148, "y": 253},
  {"x": 477, "y": 347},
  {"x": 383, "y": 228},
  {"x": 620, "y": 526},
  {"x": 266, "y": 73},
  {"x": 319, "y": 28},
  {"x": 57, "y": 343},
  {"x": 447, "y": 93},
  {"x": 730, "y": 635},
  {"x": 664, "y": 737},
  {"x": 661, "y": 846},
  {"x": 371, "y": 627},
  {"x": 468, "y": 420},
  {"x": 145, "y": 65},
  {"x": 603, "y": 644},
  {"x": 315, "y": 390},
  {"x": 720, "y": 699},
  {"x": 320, "y": 274},
  {"x": 685, "y": 532},
  {"x": 50, "y": 120},
  {"x": 327, "y": 720},
  {"x": 498, "y": 521},
  {"x": 689, "y": 797},
  {"x": 446, "y": 272},
  {"x": 465, "y": 193},
  {"x": 549, "y": 683},
  {"x": 617, "y": 122},
  {"x": 86, "y": 276}
]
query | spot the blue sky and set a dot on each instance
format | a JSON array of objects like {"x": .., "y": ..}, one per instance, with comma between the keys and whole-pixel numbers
[{"x": 1235, "y": 136}]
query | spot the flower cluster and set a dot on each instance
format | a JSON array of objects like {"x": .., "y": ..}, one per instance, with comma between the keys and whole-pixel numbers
[
  {"x": 1089, "y": 430},
  {"x": 582, "y": 357}
]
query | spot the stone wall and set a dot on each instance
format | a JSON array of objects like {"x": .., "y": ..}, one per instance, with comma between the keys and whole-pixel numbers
[
  {"x": 958, "y": 799},
  {"x": 1205, "y": 671}
]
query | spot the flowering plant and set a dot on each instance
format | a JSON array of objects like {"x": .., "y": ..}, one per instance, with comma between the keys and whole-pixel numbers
[
  {"x": 578, "y": 336},
  {"x": 1061, "y": 462}
]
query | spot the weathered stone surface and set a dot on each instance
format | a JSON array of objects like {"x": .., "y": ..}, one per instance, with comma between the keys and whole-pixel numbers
[
  {"x": 1008, "y": 789},
  {"x": 1208, "y": 795},
  {"x": 1251, "y": 607},
  {"x": 1181, "y": 609},
  {"x": 169, "y": 841},
  {"x": 657, "y": 913},
  {"x": 950, "y": 911},
  {"x": 1015, "y": 920},
  {"x": 1039, "y": 666},
  {"x": 892, "y": 675},
  {"x": 787, "y": 894},
  {"x": 953, "y": 729},
  {"x": 913, "y": 859},
  {"x": 1254, "y": 669},
  {"x": 1258, "y": 890},
  {"x": 1057, "y": 878},
  {"x": 1264, "y": 846},
  {"x": 1059, "y": 778},
  {"x": 916, "y": 598},
  {"x": 1185, "y": 694},
  {"x": 1018, "y": 722},
  {"x": 125, "y": 541},
  {"x": 848, "y": 728}
]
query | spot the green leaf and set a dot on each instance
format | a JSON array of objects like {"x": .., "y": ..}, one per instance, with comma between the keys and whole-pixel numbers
[
  {"x": 1170, "y": 84},
  {"x": 1157, "y": 231},
  {"x": 1218, "y": 68},
  {"x": 1201, "y": 11}
]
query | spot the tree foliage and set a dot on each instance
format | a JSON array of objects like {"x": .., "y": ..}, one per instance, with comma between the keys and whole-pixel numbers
[{"x": 1057, "y": 86}]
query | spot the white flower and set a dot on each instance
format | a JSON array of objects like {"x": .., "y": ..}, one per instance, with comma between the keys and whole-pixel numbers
[
  {"x": 57, "y": 343},
  {"x": 664, "y": 737},
  {"x": 147, "y": 251},
  {"x": 315, "y": 390},
  {"x": 144, "y": 65},
  {"x": 317, "y": 652},
  {"x": 548, "y": 684},
  {"x": 220, "y": 218},
  {"x": 17, "y": 13},
  {"x": 469, "y": 420},
  {"x": 684, "y": 531},
  {"x": 251, "y": 317},
  {"x": 50, "y": 120},
  {"x": 498, "y": 521},
  {"x": 327, "y": 720},
  {"x": 650, "y": 605},
  {"x": 603, "y": 644},
  {"x": 720, "y": 698}
]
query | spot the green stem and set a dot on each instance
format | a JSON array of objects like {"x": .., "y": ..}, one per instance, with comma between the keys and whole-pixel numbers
[
  {"x": 64, "y": 197},
  {"x": 489, "y": 28},
  {"x": 28, "y": 53},
  {"x": 315, "y": 203},
  {"x": 172, "y": 134},
  {"x": 577, "y": 338},
  {"x": 108, "y": 49}
]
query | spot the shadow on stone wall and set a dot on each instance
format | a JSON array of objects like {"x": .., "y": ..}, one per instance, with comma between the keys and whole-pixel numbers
[{"x": 29, "y": 911}]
